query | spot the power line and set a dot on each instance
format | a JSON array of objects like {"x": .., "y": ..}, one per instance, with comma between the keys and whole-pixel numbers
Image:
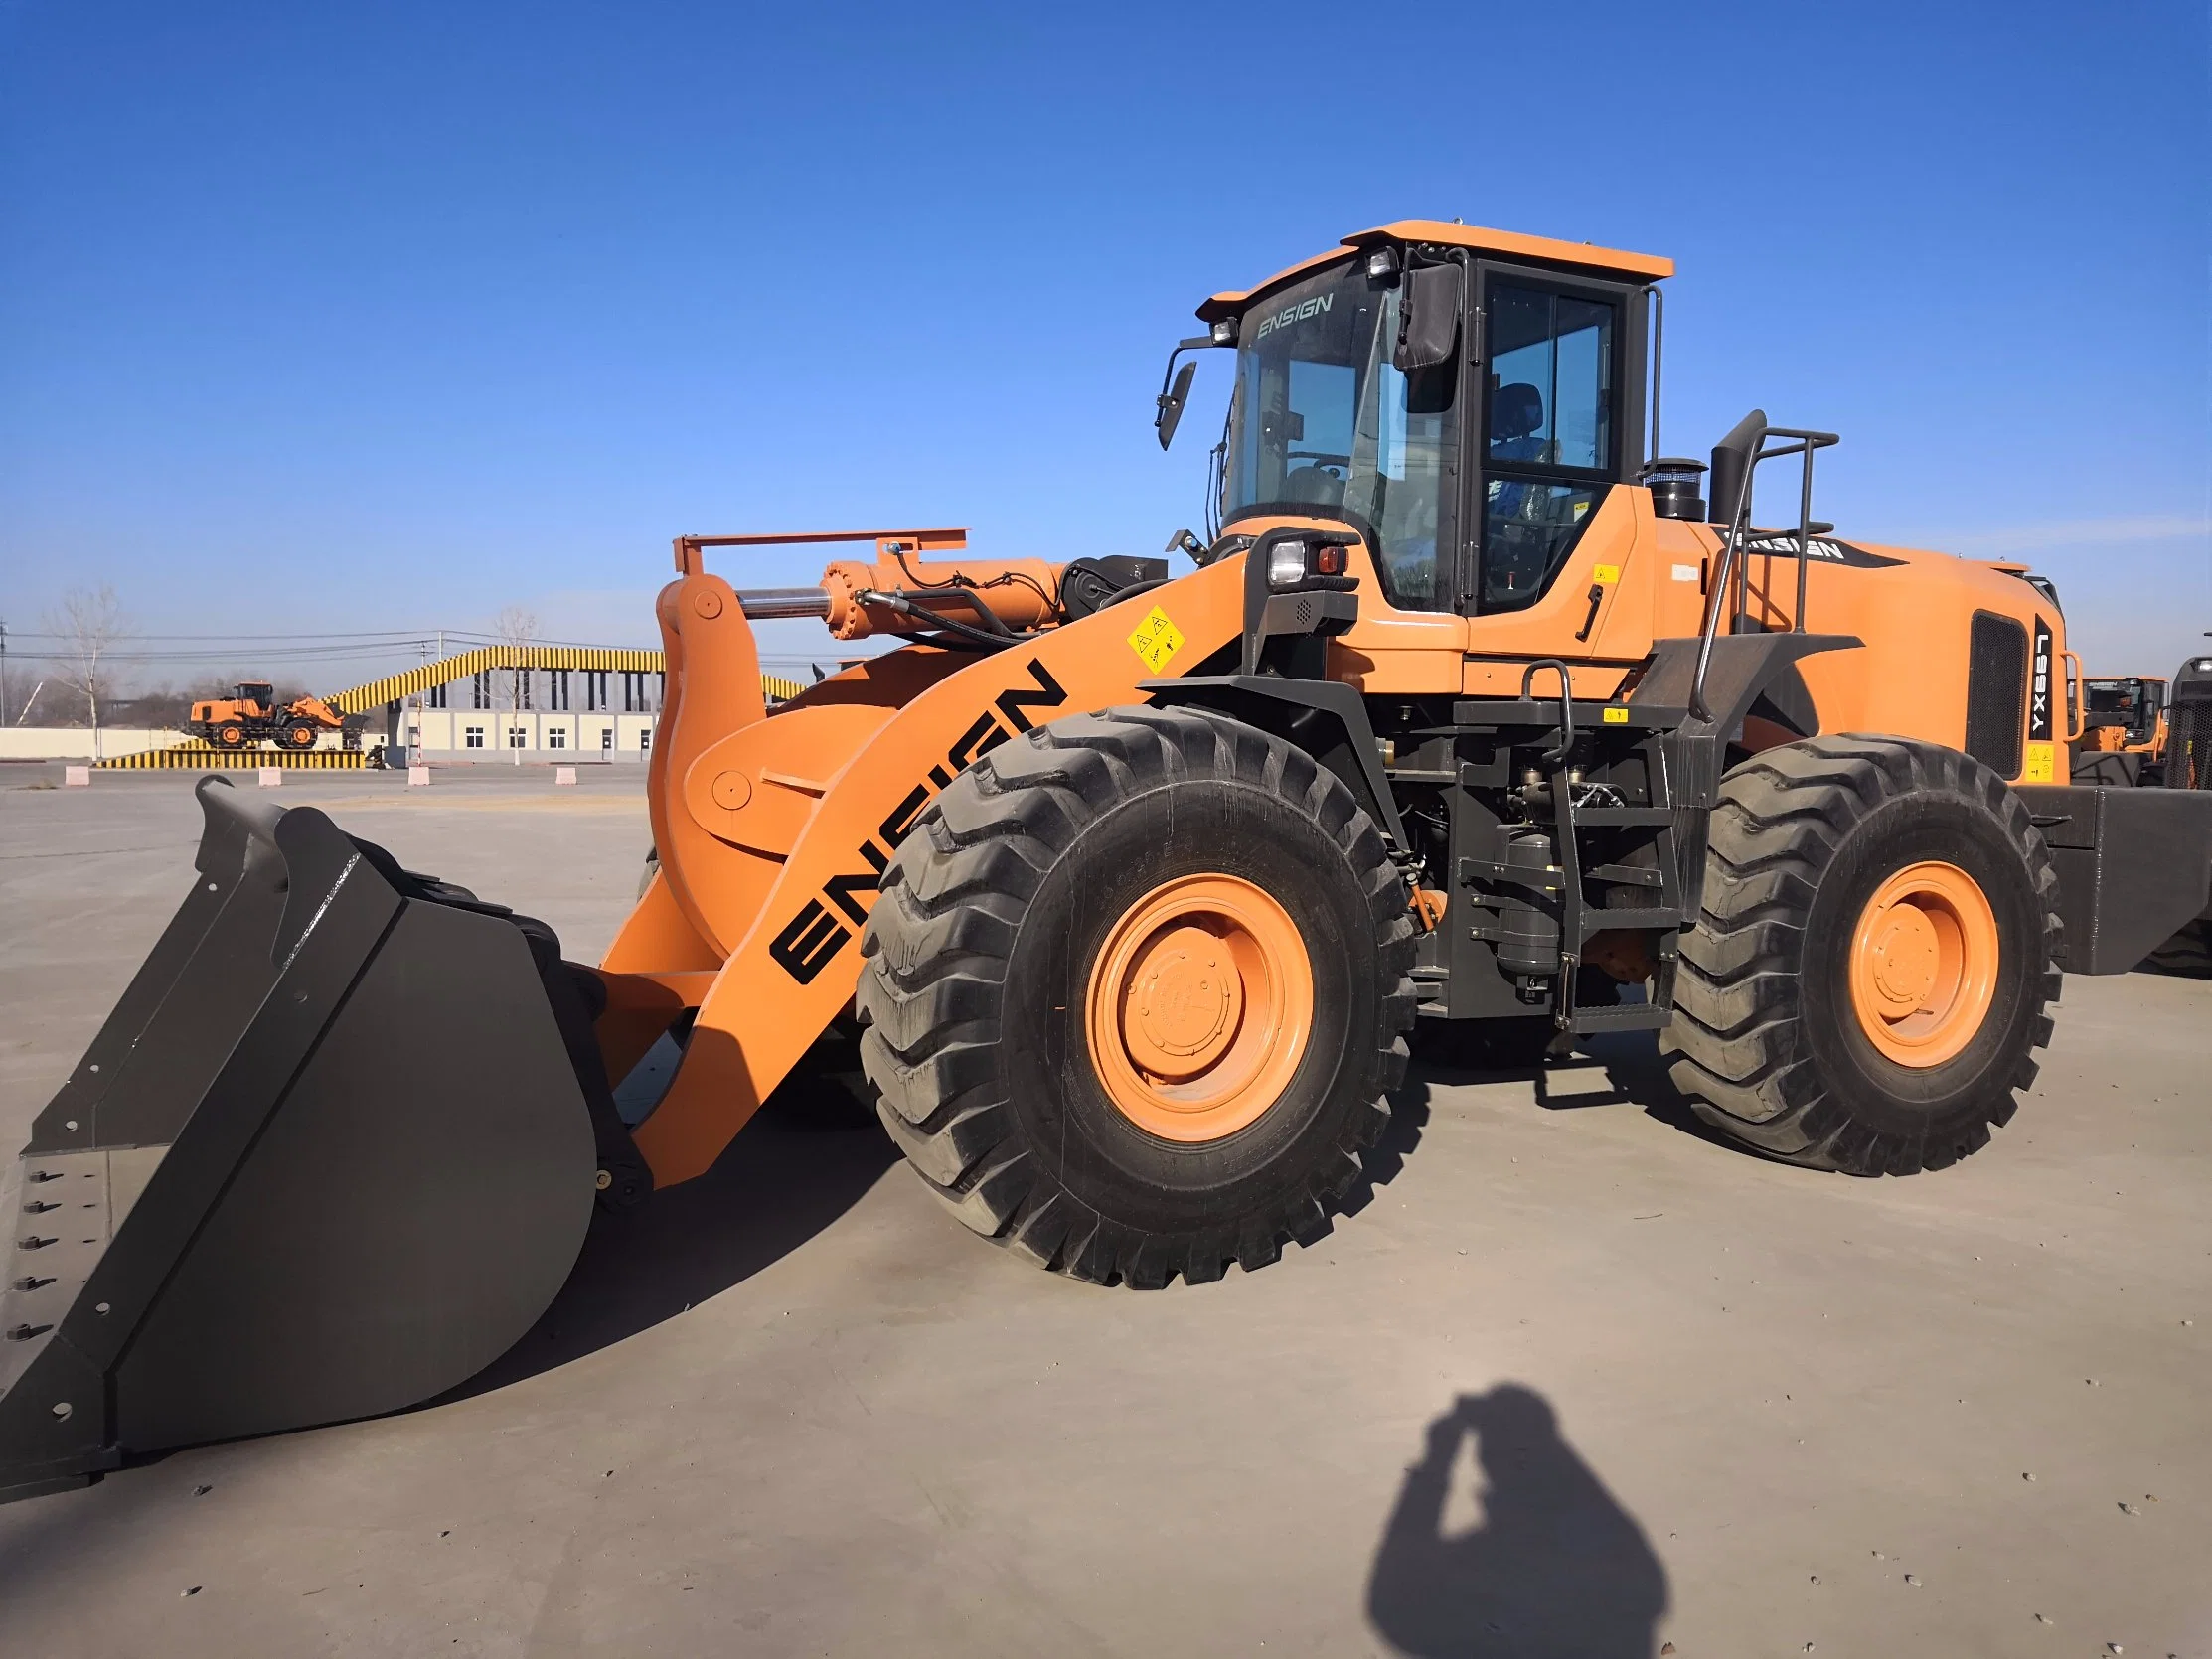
[{"x": 375, "y": 634}]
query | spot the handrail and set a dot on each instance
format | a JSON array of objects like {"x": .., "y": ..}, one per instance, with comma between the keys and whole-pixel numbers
[
  {"x": 1734, "y": 571},
  {"x": 1566, "y": 701}
]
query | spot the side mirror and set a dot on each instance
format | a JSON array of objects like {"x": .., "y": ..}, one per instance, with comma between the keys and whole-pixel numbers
[
  {"x": 1171, "y": 405},
  {"x": 1427, "y": 317},
  {"x": 1731, "y": 469}
]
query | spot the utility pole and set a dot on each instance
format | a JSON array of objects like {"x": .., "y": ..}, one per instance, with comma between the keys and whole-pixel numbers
[
  {"x": 414, "y": 718},
  {"x": 5, "y": 705}
]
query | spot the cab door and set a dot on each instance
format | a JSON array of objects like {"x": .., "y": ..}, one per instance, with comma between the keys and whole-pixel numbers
[{"x": 1556, "y": 559}]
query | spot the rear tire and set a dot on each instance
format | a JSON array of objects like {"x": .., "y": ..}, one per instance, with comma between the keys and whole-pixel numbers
[
  {"x": 977, "y": 1001},
  {"x": 229, "y": 735},
  {"x": 1768, "y": 1036}
]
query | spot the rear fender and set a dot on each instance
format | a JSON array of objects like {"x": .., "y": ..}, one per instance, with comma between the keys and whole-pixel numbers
[{"x": 794, "y": 966}]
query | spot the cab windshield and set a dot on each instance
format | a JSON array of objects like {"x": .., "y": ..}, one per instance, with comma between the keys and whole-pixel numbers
[{"x": 1322, "y": 420}]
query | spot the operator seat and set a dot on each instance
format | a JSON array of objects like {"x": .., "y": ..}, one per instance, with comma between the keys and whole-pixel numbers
[
  {"x": 1313, "y": 485},
  {"x": 1515, "y": 413},
  {"x": 1517, "y": 553}
]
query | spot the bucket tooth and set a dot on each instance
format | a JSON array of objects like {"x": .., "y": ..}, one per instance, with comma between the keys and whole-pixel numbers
[{"x": 329, "y": 1157}]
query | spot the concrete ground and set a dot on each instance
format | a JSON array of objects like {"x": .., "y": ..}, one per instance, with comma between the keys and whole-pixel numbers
[{"x": 1574, "y": 1381}]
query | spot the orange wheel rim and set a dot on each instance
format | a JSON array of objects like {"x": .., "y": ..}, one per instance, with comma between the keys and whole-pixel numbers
[
  {"x": 1199, "y": 1008},
  {"x": 1924, "y": 964}
]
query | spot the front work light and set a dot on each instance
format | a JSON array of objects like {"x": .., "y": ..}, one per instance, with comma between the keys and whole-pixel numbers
[
  {"x": 1285, "y": 564},
  {"x": 1224, "y": 331},
  {"x": 1382, "y": 264}
]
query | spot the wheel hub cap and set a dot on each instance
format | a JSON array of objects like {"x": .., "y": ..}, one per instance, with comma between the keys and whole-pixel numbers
[
  {"x": 1186, "y": 993},
  {"x": 1905, "y": 957},
  {"x": 1924, "y": 961},
  {"x": 1199, "y": 1008}
]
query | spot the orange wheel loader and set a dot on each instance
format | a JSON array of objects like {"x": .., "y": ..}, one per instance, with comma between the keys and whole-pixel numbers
[
  {"x": 251, "y": 715},
  {"x": 2181, "y": 758},
  {"x": 2125, "y": 731},
  {"x": 1476, "y": 713}
]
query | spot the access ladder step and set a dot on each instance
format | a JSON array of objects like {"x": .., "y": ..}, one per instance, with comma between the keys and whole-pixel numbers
[
  {"x": 1606, "y": 921},
  {"x": 1630, "y": 875},
  {"x": 1628, "y": 1016}
]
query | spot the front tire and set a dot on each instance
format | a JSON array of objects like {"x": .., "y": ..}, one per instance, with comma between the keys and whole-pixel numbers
[
  {"x": 1134, "y": 990},
  {"x": 1878, "y": 941}
]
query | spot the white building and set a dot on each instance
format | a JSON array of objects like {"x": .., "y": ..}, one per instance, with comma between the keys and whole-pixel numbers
[
  {"x": 453, "y": 734},
  {"x": 575, "y": 703}
]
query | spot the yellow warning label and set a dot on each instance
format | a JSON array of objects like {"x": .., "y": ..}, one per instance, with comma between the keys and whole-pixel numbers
[
  {"x": 1616, "y": 717},
  {"x": 1157, "y": 639},
  {"x": 1606, "y": 575},
  {"x": 2042, "y": 764}
]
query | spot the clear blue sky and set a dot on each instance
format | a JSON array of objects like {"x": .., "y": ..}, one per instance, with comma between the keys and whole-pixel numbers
[{"x": 353, "y": 316}]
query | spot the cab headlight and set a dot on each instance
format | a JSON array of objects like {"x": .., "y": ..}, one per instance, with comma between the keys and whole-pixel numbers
[{"x": 1285, "y": 564}]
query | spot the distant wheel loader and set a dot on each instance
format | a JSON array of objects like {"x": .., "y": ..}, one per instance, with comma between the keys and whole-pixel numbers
[
  {"x": 2123, "y": 737},
  {"x": 2155, "y": 733},
  {"x": 251, "y": 715},
  {"x": 1473, "y": 716}
]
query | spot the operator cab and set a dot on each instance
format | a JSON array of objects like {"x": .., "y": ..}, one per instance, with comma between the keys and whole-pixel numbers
[
  {"x": 1464, "y": 398},
  {"x": 257, "y": 692},
  {"x": 2132, "y": 705}
]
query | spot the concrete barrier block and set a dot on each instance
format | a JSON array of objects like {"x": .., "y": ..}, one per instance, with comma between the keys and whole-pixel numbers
[
  {"x": 418, "y": 777},
  {"x": 564, "y": 774},
  {"x": 76, "y": 777},
  {"x": 273, "y": 777}
]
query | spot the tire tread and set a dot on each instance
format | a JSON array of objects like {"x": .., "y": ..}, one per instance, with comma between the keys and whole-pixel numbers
[
  {"x": 1736, "y": 1042},
  {"x": 935, "y": 957}
]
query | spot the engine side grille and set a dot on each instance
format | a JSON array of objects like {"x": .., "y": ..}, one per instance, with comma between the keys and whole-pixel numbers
[
  {"x": 1996, "y": 691},
  {"x": 2189, "y": 746}
]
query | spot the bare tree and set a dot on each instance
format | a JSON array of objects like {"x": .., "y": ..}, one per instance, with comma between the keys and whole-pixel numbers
[
  {"x": 90, "y": 624},
  {"x": 515, "y": 626}
]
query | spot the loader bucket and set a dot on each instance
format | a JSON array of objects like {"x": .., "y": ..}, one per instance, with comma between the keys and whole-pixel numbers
[{"x": 329, "y": 1157}]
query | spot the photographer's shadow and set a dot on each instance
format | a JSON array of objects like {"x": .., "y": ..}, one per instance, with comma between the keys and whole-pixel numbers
[{"x": 1556, "y": 1568}]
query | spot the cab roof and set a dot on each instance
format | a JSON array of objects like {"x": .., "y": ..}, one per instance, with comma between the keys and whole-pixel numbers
[{"x": 1601, "y": 261}]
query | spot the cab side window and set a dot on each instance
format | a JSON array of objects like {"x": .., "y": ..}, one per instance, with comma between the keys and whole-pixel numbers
[{"x": 1549, "y": 439}]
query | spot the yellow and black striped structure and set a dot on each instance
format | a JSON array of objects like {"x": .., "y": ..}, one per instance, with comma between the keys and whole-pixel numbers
[
  {"x": 398, "y": 688},
  {"x": 198, "y": 756}
]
